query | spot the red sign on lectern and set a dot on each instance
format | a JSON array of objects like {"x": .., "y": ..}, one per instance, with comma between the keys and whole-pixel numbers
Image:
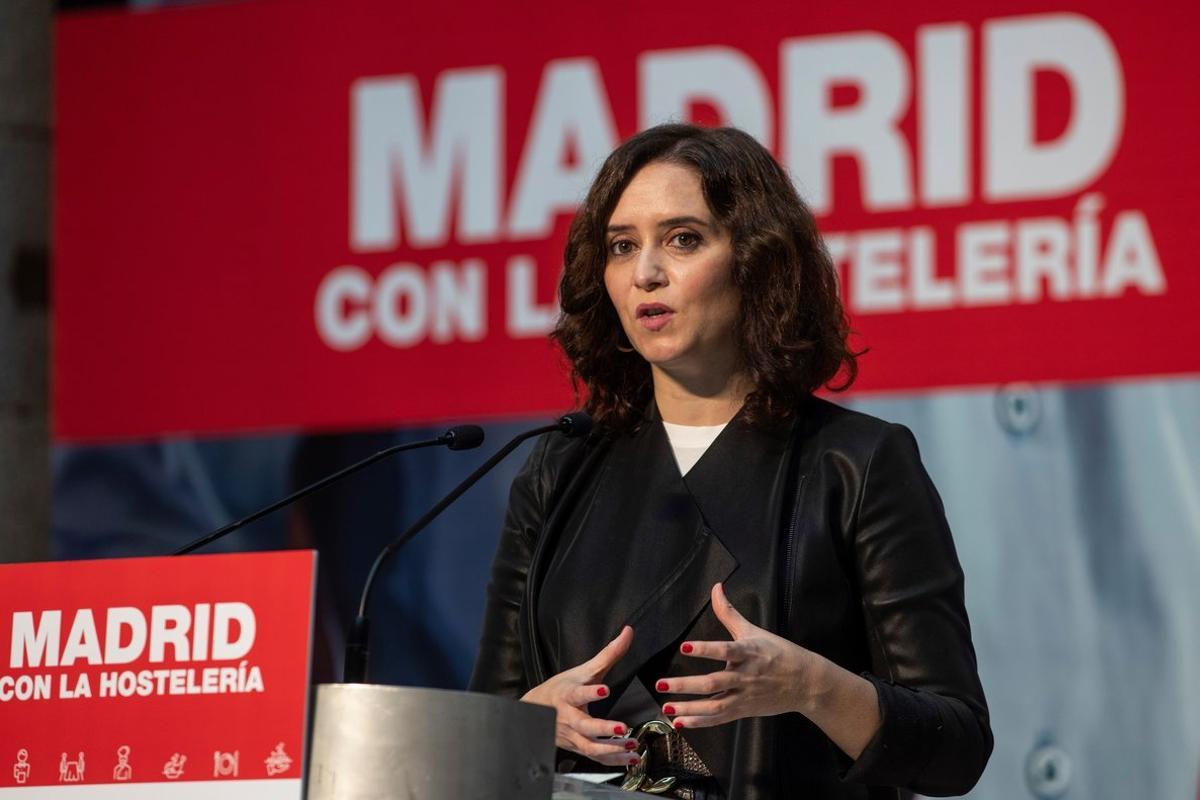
[{"x": 145, "y": 677}]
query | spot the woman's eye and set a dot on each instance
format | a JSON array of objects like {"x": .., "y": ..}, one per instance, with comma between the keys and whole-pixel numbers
[
  {"x": 686, "y": 240},
  {"x": 621, "y": 247}
]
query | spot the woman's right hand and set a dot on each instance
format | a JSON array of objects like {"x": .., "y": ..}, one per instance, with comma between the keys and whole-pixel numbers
[{"x": 569, "y": 693}]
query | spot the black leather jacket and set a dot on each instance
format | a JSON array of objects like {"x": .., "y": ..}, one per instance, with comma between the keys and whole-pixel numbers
[{"x": 828, "y": 532}]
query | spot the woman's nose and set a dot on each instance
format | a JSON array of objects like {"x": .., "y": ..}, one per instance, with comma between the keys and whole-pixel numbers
[{"x": 648, "y": 273}]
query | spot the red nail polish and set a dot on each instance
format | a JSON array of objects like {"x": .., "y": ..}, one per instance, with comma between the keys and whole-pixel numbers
[
  {"x": 602, "y": 692},
  {"x": 631, "y": 745},
  {"x": 619, "y": 730},
  {"x": 678, "y": 724},
  {"x": 669, "y": 710},
  {"x": 633, "y": 762},
  {"x": 662, "y": 686},
  {"x": 686, "y": 647}
]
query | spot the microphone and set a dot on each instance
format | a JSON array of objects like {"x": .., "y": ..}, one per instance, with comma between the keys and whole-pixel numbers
[
  {"x": 574, "y": 426},
  {"x": 460, "y": 437}
]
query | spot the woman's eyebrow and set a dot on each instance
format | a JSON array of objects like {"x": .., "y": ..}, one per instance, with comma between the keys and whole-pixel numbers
[{"x": 666, "y": 223}]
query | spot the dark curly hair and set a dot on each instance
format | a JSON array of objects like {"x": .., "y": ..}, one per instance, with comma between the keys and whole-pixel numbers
[{"x": 792, "y": 329}]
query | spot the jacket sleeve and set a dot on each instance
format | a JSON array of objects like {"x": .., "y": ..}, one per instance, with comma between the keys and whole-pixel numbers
[
  {"x": 935, "y": 737},
  {"x": 499, "y": 668}
]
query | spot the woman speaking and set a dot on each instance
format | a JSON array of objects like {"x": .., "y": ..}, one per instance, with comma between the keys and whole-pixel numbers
[{"x": 732, "y": 588}]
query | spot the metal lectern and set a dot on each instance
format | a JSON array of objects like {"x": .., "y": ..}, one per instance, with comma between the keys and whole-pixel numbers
[{"x": 374, "y": 742}]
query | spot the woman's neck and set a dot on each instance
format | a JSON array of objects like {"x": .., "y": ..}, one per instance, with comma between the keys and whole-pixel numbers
[{"x": 707, "y": 399}]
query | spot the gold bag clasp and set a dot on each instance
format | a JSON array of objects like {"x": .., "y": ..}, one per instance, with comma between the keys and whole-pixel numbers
[{"x": 637, "y": 777}]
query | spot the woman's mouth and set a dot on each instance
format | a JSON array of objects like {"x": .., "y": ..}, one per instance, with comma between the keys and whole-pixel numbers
[{"x": 654, "y": 316}]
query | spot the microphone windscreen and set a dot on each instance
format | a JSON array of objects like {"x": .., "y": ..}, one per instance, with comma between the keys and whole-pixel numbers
[
  {"x": 464, "y": 437},
  {"x": 575, "y": 425}
]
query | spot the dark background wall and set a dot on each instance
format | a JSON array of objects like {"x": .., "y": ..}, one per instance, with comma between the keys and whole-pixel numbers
[{"x": 25, "y": 140}]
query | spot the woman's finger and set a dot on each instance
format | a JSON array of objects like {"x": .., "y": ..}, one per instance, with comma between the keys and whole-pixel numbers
[
  {"x": 580, "y": 696},
  {"x": 711, "y": 683},
  {"x": 612, "y": 754},
  {"x": 598, "y": 665},
  {"x": 717, "y": 651},
  {"x": 705, "y": 721},
  {"x": 599, "y": 728},
  {"x": 729, "y": 616},
  {"x": 712, "y": 706}
]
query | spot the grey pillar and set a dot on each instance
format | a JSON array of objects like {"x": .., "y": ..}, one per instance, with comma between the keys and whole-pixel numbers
[{"x": 24, "y": 279}]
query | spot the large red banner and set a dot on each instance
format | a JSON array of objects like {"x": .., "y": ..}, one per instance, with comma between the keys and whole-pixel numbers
[
  {"x": 326, "y": 214},
  {"x": 149, "y": 677}
]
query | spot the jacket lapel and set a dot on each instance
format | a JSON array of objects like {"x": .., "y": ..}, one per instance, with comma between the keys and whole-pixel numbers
[
  {"x": 742, "y": 486},
  {"x": 629, "y": 547},
  {"x": 676, "y": 603}
]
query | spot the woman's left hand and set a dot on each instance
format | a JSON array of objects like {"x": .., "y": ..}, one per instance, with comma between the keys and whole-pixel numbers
[{"x": 764, "y": 674}]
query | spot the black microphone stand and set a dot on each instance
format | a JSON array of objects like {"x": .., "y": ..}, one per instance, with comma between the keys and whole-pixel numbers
[
  {"x": 461, "y": 437},
  {"x": 357, "y": 652}
]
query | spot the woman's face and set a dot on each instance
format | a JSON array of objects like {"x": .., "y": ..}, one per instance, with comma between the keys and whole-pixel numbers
[{"x": 669, "y": 273}]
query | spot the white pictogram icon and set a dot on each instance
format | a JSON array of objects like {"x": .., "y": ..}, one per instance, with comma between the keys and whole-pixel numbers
[
  {"x": 70, "y": 771},
  {"x": 174, "y": 767},
  {"x": 278, "y": 762},
  {"x": 225, "y": 765},
  {"x": 21, "y": 768},
  {"x": 122, "y": 771}
]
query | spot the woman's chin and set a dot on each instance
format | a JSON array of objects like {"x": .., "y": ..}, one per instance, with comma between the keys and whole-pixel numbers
[{"x": 659, "y": 354}]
